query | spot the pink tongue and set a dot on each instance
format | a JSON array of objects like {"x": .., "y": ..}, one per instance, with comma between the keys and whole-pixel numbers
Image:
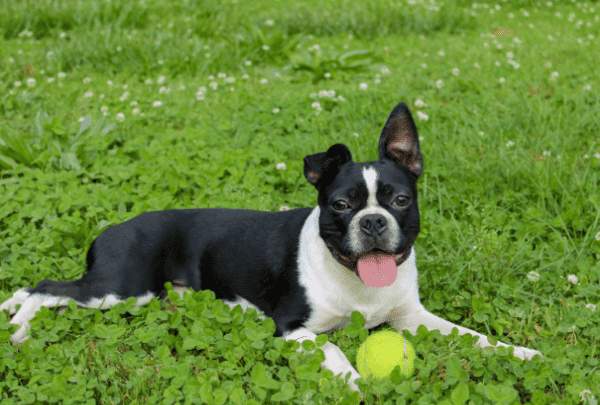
[{"x": 377, "y": 269}]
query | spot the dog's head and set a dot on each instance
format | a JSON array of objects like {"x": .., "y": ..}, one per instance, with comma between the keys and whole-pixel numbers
[{"x": 369, "y": 215}]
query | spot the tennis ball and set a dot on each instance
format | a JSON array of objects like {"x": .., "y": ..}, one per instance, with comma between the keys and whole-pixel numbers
[{"x": 381, "y": 352}]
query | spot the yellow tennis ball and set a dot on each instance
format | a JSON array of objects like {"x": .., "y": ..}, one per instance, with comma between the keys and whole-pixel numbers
[{"x": 381, "y": 352}]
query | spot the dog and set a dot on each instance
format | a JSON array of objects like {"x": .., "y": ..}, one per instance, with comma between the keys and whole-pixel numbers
[{"x": 307, "y": 268}]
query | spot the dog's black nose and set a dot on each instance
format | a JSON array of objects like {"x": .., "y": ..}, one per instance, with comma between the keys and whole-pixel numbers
[{"x": 373, "y": 224}]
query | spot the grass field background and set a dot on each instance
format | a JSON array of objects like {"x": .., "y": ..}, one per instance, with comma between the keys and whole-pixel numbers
[{"x": 109, "y": 109}]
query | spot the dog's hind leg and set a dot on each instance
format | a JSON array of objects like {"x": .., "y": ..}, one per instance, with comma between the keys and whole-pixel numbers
[{"x": 51, "y": 294}]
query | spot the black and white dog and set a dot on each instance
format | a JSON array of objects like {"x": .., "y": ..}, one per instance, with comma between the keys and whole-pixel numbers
[{"x": 307, "y": 268}]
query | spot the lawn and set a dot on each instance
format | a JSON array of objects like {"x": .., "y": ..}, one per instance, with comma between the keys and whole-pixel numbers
[{"x": 111, "y": 108}]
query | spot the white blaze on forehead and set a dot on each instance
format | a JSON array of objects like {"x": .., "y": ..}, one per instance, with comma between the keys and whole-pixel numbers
[{"x": 371, "y": 176}]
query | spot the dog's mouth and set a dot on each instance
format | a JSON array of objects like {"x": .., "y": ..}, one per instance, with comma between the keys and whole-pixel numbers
[
  {"x": 378, "y": 268},
  {"x": 375, "y": 267}
]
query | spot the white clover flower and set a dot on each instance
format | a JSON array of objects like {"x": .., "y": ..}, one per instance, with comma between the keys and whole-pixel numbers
[
  {"x": 326, "y": 93},
  {"x": 104, "y": 108},
  {"x": 124, "y": 96},
  {"x": 266, "y": 47},
  {"x": 31, "y": 82},
  {"x": 509, "y": 144},
  {"x": 439, "y": 84},
  {"x": 264, "y": 81},
  {"x": 160, "y": 80},
  {"x": 533, "y": 276},
  {"x": 148, "y": 81},
  {"x": 87, "y": 80},
  {"x": 269, "y": 23},
  {"x": 135, "y": 111},
  {"x": 456, "y": 71},
  {"x": 422, "y": 116},
  {"x": 213, "y": 85},
  {"x": 157, "y": 104},
  {"x": 363, "y": 86},
  {"x": 120, "y": 117},
  {"x": 17, "y": 84},
  {"x": 572, "y": 278},
  {"x": 591, "y": 306},
  {"x": 420, "y": 103},
  {"x": 281, "y": 166},
  {"x": 275, "y": 110},
  {"x": 88, "y": 94},
  {"x": 200, "y": 96}
]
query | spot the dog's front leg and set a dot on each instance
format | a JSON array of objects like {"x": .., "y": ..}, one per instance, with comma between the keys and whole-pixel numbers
[
  {"x": 411, "y": 320},
  {"x": 335, "y": 359}
]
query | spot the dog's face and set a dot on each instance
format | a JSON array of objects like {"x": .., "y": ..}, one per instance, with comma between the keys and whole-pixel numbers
[{"x": 369, "y": 215}]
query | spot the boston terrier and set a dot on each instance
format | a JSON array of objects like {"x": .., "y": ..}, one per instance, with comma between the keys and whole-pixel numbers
[{"x": 307, "y": 268}]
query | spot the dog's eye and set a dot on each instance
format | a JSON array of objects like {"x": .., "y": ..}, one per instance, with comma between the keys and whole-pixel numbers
[
  {"x": 402, "y": 200},
  {"x": 340, "y": 205}
]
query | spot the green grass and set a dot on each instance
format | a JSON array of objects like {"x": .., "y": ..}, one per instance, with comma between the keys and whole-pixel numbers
[{"x": 509, "y": 200}]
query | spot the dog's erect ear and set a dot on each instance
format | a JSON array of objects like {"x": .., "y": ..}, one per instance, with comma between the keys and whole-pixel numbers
[
  {"x": 399, "y": 140},
  {"x": 325, "y": 165}
]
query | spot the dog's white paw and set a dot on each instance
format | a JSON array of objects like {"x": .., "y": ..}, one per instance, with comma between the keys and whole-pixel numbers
[
  {"x": 526, "y": 354},
  {"x": 18, "y": 298}
]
